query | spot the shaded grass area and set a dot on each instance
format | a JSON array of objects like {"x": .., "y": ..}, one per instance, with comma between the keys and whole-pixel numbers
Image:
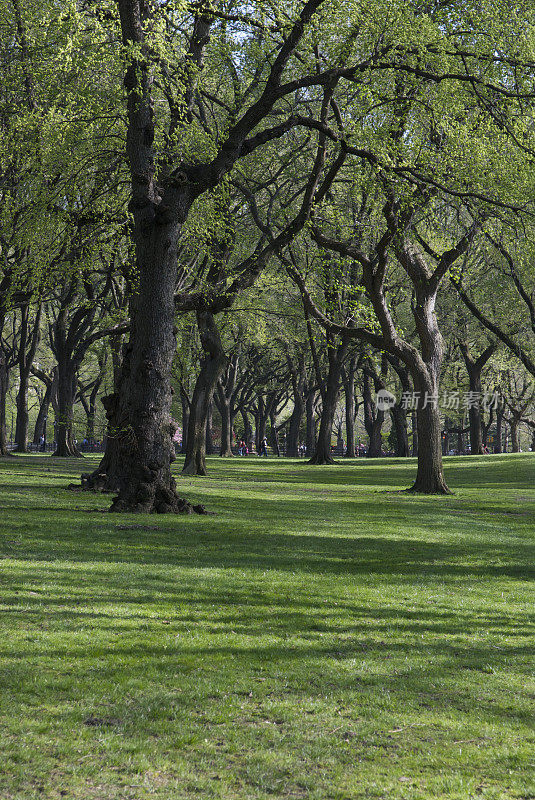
[{"x": 321, "y": 636}]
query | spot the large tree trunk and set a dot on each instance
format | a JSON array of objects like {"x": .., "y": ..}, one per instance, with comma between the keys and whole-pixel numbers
[
  {"x": 144, "y": 439},
  {"x": 429, "y": 476},
  {"x": 144, "y": 431},
  {"x": 425, "y": 376},
  {"x": 65, "y": 444},
  {"x": 212, "y": 368}
]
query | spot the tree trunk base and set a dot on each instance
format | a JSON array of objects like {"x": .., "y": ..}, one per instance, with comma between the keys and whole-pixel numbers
[
  {"x": 194, "y": 470},
  {"x": 319, "y": 459},
  {"x": 154, "y": 499},
  {"x": 61, "y": 452},
  {"x": 429, "y": 487},
  {"x": 98, "y": 482}
]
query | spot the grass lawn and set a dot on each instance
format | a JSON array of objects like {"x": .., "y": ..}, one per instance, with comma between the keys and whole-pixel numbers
[{"x": 320, "y": 636}]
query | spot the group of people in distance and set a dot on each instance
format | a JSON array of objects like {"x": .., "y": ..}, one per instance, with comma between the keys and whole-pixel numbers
[{"x": 243, "y": 450}]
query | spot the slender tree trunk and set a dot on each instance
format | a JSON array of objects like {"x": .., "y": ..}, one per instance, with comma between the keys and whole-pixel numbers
[
  {"x": 29, "y": 339},
  {"x": 65, "y": 444},
  {"x": 213, "y": 366},
  {"x": 261, "y": 417},
  {"x": 298, "y": 376},
  {"x": 310, "y": 422},
  {"x": 224, "y": 408},
  {"x": 414, "y": 429},
  {"x": 399, "y": 421},
  {"x": 330, "y": 396},
  {"x": 498, "y": 446},
  {"x": 90, "y": 426},
  {"x": 349, "y": 395},
  {"x": 42, "y": 415},
  {"x": 294, "y": 426},
  {"x": 323, "y": 449},
  {"x": 373, "y": 419},
  {"x": 4, "y": 386},
  {"x": 474, "y": 367},
  {"x": 23, "y": 418},
  {"x": 247, "y": 427},
  {"x": 209, "y": 431},
  {"x": 515, "y": 439},
  {"x": 184, "y": 400},
  {"x": 273, "y": 432}
]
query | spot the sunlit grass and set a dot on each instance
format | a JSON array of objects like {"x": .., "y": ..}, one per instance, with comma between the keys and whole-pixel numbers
[{"x": 320, "y": 636}]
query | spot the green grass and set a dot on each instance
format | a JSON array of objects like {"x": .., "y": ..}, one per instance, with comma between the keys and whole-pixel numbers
[{"x": 320, "y": 636}]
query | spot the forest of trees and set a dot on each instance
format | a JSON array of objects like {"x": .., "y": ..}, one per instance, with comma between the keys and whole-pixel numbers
[{"x": 246, "y": 220}]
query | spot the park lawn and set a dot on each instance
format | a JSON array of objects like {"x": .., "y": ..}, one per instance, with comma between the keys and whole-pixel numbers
[{"x": 320, "y": 636}]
